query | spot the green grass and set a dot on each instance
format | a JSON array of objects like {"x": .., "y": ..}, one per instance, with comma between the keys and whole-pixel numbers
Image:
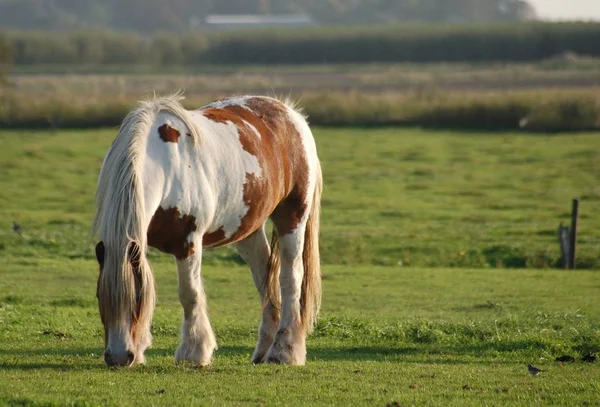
[
  {"x": 451, "y": 199},
  {"x": 392, "y": 197},
  {"x": 414, "y": 336},
  {"x": 390, "y": 332}
]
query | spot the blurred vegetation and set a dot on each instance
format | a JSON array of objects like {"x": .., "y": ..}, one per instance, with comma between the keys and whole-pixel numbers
[
  {"x": 529, "y": 41},
  {"x": 408, "y": 43},
  {"x": 181, "y": 15},
  {"x": 531, "y": 111},
  {"x": 5, "y": 59}
]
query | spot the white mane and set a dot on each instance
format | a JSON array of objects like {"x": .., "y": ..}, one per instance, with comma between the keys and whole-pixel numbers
[{"x": 120, "y": 216}]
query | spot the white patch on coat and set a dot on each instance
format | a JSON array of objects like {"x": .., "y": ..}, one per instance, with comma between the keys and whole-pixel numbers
[
  {"x": 206, "y": 182},
  {"x": 241, "y": 163},
  {"x": 256, "y": 132},
  {"x": 235, "y": 101}
]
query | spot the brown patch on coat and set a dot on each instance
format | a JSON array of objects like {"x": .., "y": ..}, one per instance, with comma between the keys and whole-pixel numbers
[
  {"x": 281, "y": 190},
  {"x": 168, "y": 134},
  {"x": 288, "y": 214},
  {"x": 169, "y": 230},
  {"x": 213, "y": 238}
]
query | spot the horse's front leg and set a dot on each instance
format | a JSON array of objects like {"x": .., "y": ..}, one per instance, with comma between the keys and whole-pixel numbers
[{"x": 198, "y": 341}]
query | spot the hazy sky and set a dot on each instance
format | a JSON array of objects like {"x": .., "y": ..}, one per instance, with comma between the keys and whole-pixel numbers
[{"x": 567, "y": 9}]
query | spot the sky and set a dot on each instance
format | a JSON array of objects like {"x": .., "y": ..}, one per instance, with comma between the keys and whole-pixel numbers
[{"x": 567, "y": 9}]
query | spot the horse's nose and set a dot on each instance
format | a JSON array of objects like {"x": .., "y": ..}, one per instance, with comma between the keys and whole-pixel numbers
[
  {"x": 108, "y": 358},
  {"x": 113, "y": 360}
]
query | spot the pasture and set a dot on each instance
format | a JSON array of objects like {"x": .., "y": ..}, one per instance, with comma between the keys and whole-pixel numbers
[
  {"x": 393, "y": 329},
  {"x": 414, "y": 197},
  {"x": 557, "y": 94}
]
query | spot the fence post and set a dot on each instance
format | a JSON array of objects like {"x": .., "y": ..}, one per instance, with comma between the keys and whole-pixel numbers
[{"x": 573, "y": 236}]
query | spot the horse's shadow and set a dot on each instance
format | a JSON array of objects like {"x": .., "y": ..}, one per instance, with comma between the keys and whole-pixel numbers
[
  {"x": 59, "y": 359},
  {"x": 71, "y": 359}
]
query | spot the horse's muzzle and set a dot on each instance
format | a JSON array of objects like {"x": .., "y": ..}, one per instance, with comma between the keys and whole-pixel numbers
[{"x": 115, "y": 361}]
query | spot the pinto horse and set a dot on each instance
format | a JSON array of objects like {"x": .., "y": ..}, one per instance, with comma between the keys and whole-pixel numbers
[{"x": 181, "y": 181}]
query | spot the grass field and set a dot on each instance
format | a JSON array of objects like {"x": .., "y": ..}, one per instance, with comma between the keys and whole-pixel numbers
[
  {"x": 412, "y": 336},
  {"x": 392, "y": 197},
  {"x": 390, "y": 332}
]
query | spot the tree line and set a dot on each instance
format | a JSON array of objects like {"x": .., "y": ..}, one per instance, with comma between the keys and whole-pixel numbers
[{"x": 528, "y": 41}]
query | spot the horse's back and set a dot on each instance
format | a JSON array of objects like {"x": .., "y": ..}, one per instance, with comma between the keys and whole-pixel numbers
[
  {"x": 278, "y": 136},
  {"x": 273, "y": 132},
  {"x": 255, "y": 154}
]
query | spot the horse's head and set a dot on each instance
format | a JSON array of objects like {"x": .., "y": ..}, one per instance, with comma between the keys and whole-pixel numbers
[{"x": 126, "y": 302}]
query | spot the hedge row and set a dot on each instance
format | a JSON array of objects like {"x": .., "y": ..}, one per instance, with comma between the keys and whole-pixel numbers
[
  {"x": 412, "y": 43},
  {"x": 399, "y": 43},
  {"x": 544, "y": 110},
  {"x": 104, "y": 48}
]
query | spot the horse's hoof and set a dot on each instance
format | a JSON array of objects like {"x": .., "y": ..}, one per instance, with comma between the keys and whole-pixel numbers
[
  {"x": 258, "y": 360},
  {"x": 273, "y": 359}
]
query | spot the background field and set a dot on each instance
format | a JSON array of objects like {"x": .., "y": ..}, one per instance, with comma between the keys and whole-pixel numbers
[
  {"x": 524, "y": 97},
  {"x": 417, "y": 336},
  {"x": 527, "y": 76},
  {"x": 334, "y": 44},
  {"x": 409, "y": 197}
]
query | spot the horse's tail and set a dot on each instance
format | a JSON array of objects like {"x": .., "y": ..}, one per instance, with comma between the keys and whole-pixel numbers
[
  {"x": 310, "y": 297},
  {"x": 273, "y": 268}
]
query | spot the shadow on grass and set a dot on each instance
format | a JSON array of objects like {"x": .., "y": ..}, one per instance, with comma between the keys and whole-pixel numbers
[
  {"x": 441, "y": 356},
  {"x": 24, "y": 401},
  {"x": 77, "y": 352},
  {"x": 79, "y": 358},
  {"x": 59, "y": 366}
]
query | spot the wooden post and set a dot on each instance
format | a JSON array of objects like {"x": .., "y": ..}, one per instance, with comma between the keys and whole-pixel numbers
[
  {"x": 564, "y": 239},
  {"x": 573, "y": 236}
]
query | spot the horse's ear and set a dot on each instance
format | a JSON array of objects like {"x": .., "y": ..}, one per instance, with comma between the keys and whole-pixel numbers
[
  {"x": 133, "y": 252},
  {"x": 100, "y": 254}
]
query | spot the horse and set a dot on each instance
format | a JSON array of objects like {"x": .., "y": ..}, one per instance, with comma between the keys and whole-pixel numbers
[{"x": 183, "y": 180}]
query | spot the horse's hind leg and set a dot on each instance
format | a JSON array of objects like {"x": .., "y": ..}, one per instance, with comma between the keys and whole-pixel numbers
[
  {"x": 289, "y": 345},
  {"x": 255, "y": 251},
  {"x": 198, "y": 341}
]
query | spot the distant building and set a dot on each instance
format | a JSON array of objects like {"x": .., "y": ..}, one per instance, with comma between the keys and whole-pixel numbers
[{"x": 231, "y": 21}]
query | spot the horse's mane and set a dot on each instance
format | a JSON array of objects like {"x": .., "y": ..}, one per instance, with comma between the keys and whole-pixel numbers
[{"x": 120, "y": 215}]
